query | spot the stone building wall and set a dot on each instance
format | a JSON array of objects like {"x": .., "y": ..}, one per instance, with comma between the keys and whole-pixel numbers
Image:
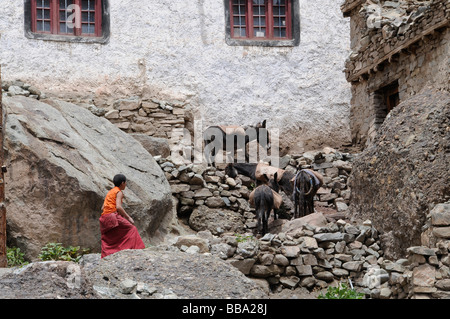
[
  {"x": 176, "y": 51},
  {"x": 400, "y": 43}
]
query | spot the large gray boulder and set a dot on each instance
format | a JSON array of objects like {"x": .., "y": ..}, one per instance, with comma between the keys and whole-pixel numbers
[
  {"x": 398, "y": 179},
  {"x": 61, "y": 160}
]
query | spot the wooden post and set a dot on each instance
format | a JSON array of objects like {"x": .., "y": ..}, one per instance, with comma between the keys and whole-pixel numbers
[{"x": 3, "y": 259}]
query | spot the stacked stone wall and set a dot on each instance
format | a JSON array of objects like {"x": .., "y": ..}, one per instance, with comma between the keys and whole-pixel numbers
[
  {"x": 315, "y": 254},
  {"x": 403, "y": 43}
]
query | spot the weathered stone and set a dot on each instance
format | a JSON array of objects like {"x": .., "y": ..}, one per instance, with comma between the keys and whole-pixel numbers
[
  {"x": 127, "y": 104},
  {"x": 80, "y": 153},
  {"x": 192, "y": 240},
  {"x": 424, "y": 275},
  {"x": 304, "y": 270},
  {"x": 440, "y": 215},
  {"x": 290, "y": 282},
  {"x": 223, "y": 250},
  {"x": 309, "y": 259},
  {"x": 215, "y": 202},
  {"x": 340, "y": 272},
  {"x": 441, "y": 232},
  {"x": 290, "y": 251},
  {"x": 385, "y": 293},
  {"x": 178, "y": 188},
  {"x": 262, "y": 271},
  {"x": 334, "y": 237},
  {"x": 154, "y": 145},
  {"x": 309, "y": 242},
  {"x": 248, "y": 248},
  {"x": 314, "y": 220},
  {"x": 325, "y": 276},
  {"x": 244, "y": 265},
  {"x": 308, "y": 282},
  {"x": 443, "y": 284},
  {"x": 375, "y": 277},
  {"x": 353, "y": 265},
  {"x": 280, "y": 260},
  {"x": 127, "y": 286},
  {"x": 266, "y": 259},
  {"x": 421, "y": 250}
]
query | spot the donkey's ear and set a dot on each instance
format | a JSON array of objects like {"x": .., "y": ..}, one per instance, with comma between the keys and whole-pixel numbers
[{"x": 264, "y": 124}]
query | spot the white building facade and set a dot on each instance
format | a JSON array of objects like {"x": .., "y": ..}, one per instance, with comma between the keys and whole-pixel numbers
[{"x": 232, "y": 61}]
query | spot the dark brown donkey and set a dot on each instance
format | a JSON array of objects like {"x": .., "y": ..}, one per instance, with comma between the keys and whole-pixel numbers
[{"x": 306, "y": 185}]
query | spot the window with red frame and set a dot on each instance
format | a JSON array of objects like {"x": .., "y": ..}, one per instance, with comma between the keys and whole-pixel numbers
[
  {"x": 261, "y": 19},
  {"x": 67, "y": 17}
]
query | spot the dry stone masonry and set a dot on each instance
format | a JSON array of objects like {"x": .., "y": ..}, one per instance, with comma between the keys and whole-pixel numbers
[
  {"x": 312, "y": 253},
  {"x": 210, "y": 200},
  {"x": 135, "y": 114},
  {"x": 391, "y": 26},
  {"x": 398, "y": 48}
]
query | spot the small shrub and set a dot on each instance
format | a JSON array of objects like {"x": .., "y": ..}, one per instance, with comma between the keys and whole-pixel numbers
[
  {"x": 241, "y": 238},
  {"x": 342, "y": 291},
  {"x": 15, "y": 257},
  {"x": 55, "y": 251}
]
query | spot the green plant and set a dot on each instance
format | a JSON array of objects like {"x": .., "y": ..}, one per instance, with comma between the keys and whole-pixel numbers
[
  {"x": 342, "y": 291},
  {"x": 15, "y": 257},
  {"x": 55, "y": 251},
  {"x": 241, "y": 238}
]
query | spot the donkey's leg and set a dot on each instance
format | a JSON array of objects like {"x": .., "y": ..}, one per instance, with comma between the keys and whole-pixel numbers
[{"x": 265, "y": 221}]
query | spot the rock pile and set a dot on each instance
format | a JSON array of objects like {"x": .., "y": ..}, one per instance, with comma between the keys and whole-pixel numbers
[
  {"x": 311, "y": 254},
  {"x": 431, "y": 261},
  {"x": 12, "y": 88},
  {"x": 213, "y": 201}
]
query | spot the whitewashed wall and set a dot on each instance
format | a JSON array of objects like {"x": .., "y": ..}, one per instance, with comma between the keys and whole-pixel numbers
[{"x": 177, "y": 49}]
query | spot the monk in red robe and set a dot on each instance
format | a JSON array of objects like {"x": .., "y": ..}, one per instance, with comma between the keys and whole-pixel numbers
[{"x": 116, "y": 226}]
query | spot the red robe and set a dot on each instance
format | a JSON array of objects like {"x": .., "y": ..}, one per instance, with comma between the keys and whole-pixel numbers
[{"x": 117, "y": 233}]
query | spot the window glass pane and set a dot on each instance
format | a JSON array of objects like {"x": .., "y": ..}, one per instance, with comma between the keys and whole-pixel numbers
[
  {"x": 88, "y": 16},
  {"x": 279, "y": 33},
  {"x": 239, "y": 10},
  {"x": 239, "y": 20},
  {"x": 88, "y": 28},
  {"x": 87, "y": 5},
  {"x": 258, "y": 2},
  {"x": 64, "y": 28},
  {"x": 279, "y": 2},
  {"x": 259, "y": 21},
  {"x": 43, "y": 14},
  {"x": 239, "y": 32},
  {"x": 43, "y": 26},
  {"x": 46, "y": 3},
  {"x": 63, "y": 4},
  {"x": 279, "y": 22},
  {"x": 259, "y": 32}
]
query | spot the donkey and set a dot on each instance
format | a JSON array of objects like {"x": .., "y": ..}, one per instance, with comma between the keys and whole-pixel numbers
[
  {"x": 216, "y": 139},
  {"x": 262, "y": 173},
  {"x": 306, "y": 184},
  {"x": 265, "y": 199}
]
